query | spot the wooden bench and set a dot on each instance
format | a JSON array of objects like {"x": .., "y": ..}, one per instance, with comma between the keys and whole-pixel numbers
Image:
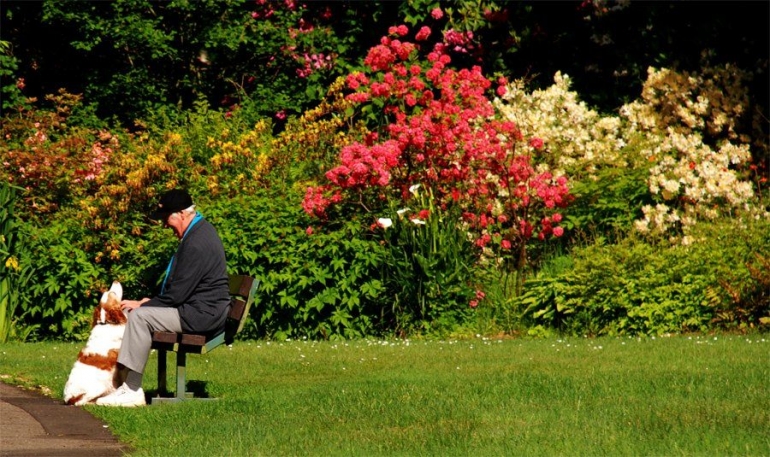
[{"x": 242, "y": 292}]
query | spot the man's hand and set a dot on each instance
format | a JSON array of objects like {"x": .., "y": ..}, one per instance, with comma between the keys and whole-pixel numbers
[{"x": 130, "y": 305}]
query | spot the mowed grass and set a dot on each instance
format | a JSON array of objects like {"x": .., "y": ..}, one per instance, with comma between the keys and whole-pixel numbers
[{"x": 679, "y": 395}]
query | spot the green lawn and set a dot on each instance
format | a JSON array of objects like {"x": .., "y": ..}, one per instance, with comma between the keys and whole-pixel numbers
[{"x": 680, "y": 395}]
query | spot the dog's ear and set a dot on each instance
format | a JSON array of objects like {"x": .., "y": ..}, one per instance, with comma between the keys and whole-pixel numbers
[
  {"x": 115, "y": 315},
  {"x": 117, "y": 289},
  {"x": 96, "y": 316},
  {"x": 105, "y": 298}
]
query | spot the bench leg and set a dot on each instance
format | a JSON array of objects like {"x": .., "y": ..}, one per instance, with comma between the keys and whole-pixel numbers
[
  {"x": 181, "y": 382},
  {"x": 162, "y": 371},
  {"x": 181, "y": 386}
]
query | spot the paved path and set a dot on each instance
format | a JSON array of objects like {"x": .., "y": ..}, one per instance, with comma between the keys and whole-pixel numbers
[{"x": 32, "y": 424}]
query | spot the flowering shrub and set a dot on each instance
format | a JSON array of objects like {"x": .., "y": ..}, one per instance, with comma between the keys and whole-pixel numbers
[
  {"x": 94, "y": 188},
  {"x": 306, "y": 148},
  {"x": 302, "y": 33},
  {"x": 687, "y": 129},
  {"x": 51, "y": 165},
  {"x": 238, "y": 163},
  {"x": 691, "y": 123},
  {"x": 437, "y": 129},
  {"x": 573, "y": 137}
]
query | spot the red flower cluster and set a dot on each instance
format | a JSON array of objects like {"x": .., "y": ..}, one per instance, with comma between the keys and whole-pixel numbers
[
  {"x": 363, "y": 166},
  {"x": 440, "y": 131}
]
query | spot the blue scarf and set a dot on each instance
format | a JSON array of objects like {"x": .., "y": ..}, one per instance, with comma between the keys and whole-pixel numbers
[{"x": 198, "y": 217}]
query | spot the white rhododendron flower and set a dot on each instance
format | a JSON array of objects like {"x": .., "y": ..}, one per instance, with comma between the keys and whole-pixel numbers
[
  {"x": 385, "y": 222},
  {"x": 662, "y": 132}
]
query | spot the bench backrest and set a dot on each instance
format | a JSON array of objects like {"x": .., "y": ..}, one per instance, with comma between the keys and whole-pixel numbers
[{"x": 242, "y": 291}]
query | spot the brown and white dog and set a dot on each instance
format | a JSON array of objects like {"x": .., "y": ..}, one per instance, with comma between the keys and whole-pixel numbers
[{"x": 95, "y": 372}]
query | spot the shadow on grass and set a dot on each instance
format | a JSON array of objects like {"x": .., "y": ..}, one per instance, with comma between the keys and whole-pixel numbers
[{"x": 195, "y": 389}]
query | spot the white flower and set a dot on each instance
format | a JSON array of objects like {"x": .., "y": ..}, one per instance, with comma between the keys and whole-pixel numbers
[
  {"x": 385, "y": 222},
  {"x": 418, "y": 222},
  {"x": 413, "y": 189}
]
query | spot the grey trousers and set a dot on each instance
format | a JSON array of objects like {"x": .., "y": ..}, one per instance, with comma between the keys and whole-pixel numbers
[{"x": 137, "y": 338}]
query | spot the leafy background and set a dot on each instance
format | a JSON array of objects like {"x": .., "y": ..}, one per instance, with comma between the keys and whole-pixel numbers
[{"x": 241, "y": 103}]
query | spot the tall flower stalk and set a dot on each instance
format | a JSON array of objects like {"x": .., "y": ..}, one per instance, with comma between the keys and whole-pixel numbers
[{"x": 429, "y": 267}]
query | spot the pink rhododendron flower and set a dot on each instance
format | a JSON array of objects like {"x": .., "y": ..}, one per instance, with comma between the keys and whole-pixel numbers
[
  {"x": 558, "y": 231},
  {"x": 400, "y": 30},
  {"x": 536, "y": 143},
  {"x": 485, "y": 238},
  {"x": 380, "y": 58},
  {"x": 314, "y": 202},
  {"x": 423, "y": 34},
  {"x": 473, "y": 303},
  {"x": 437, "y": 13},
  {"x": 359, "y": 97}
]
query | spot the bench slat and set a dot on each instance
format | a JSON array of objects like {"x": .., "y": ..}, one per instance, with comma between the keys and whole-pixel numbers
[
  {"x": 237, "y": 307},
  {"x": 189, "y": 339},
  {"x": 165, "y": 337}
]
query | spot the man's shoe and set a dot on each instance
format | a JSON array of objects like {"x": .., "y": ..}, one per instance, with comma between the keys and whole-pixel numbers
[{"x": 123, "y": 397}]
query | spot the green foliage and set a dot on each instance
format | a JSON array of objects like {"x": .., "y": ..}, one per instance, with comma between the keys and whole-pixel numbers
[
  {"x": 315, "y": 285},
  {"x": 738, "y": 251},
  {"x": 609, "y": 204},
  {"x": 10, "y": 91},
  {"x": 84, "y": 188},
  {"x": 276, "y": 58},
  {"x": 629, "y": 288},
  {"x": 633, "y": 287},
  {"x": 60, "y": 300},
  {"x": 14, "y": 277}
]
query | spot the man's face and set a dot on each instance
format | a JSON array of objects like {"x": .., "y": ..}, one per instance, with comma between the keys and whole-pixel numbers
[{"x": 176, "y": 221}]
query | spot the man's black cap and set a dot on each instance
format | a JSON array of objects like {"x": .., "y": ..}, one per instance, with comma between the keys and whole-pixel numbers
[{"x": 171, "y": 202}]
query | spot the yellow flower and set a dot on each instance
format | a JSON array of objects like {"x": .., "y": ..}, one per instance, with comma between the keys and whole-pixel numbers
[{"x": 12, "y": 263}]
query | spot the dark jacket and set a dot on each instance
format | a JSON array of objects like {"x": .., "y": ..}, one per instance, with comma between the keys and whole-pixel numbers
[{"x": 197, "y": 282}]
